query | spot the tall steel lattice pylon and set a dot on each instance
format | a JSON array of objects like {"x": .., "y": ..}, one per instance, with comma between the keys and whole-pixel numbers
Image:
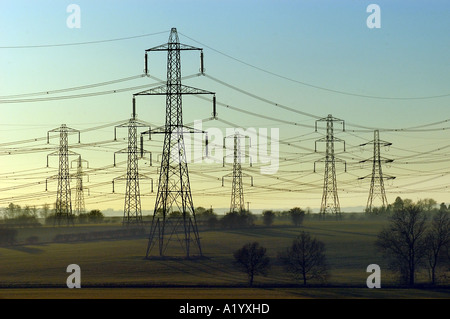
[
  {"x": 330, "y": 198},
  {"x": 80, "y": 207},
  {"x": 132, "y": 213},
  {"x": 377, "y": 190},
  {"x": 174, "y": 209},
  {"x": 63, "y": 204},
  {"x": 237, "y": 188}
]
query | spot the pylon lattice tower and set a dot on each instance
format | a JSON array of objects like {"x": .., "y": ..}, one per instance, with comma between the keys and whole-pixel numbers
[
  {"x": 237, "y": 188},
  {"x": 330, "y": 199},
  {"x": 377, "y": 190},
  {"x": 63, "y": 204},
  {"x": 132, "y": 213},
  {"x": 174, "y": 190},
  {"x": 80, "y": 207}
]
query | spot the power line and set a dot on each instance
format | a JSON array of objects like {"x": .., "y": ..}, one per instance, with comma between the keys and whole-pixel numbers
[
  {"x": 80, "y": 43},
  {"x": 65, "y": 97},
  {"x": 76, "y": 96},
  {"x": 363, "y": 129},
  {"x": 262, "y": 99},
  {"x": 320, "y": 87},
  {"x": 83, "y": 87}
]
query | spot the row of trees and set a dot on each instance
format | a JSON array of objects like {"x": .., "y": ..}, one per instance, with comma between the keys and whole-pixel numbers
[
  {"x": 28, "y": 215},
  {"x": 94, "y": 216},
  {"x": 246, "y": 219},
  {"x": 296, "y": 215},
  {"x": 428, "y": 205},
  {"x": 305, "y": 259}
]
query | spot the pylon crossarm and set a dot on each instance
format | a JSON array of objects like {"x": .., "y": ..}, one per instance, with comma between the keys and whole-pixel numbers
[
  {"x": 386, "y": 160},
  {"x": 166, "y": 90},
  {"x": 380, "y": 142},
  {"x": 167, "y": 47},
  {"x": 193, "y": 130},
  {"x": 159, "y": 90},
  {"x": 79, "y": 162},
  {"x": 382, "y": 159},
  {"x": 163, "y": 130},
  {"x": 58, "y": 153}
]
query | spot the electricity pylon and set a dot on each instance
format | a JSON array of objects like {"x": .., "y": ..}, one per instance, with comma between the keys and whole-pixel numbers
[
  {"x": 330, "y": 198},
  {"x": 80, "y": 207},
  {"x": 63, "y": 204},
  {"x": 174, "y": 207},
  {"x": 377, "y": 178},
  {"x": 237, "y": 188},
  {"x": 132, "y": 213}
]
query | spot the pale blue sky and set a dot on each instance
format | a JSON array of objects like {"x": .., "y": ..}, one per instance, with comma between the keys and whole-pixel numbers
[{"x": 326, "y": 44}]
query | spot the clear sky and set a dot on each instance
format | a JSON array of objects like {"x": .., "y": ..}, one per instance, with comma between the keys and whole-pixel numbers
[{"x": 315, "y": 57}]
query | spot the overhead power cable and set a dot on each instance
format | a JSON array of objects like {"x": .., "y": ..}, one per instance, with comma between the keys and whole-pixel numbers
[
  {"x": 83, "y": 95},
  {"x": 320, "y": 87},
  {"x": 66, "y": 97},
  {"x": 80, "y": 43},
  {"x": 262, "y": 99},
  {"x": 364, "y": 129},
  {"x": 83, "y": 87}
]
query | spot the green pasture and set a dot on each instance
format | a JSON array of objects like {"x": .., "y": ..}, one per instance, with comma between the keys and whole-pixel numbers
[{"x": 118, "y": 269}]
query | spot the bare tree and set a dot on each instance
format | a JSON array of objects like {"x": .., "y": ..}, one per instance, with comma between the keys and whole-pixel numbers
[
  {"x": 45, "y": 211},
  {"x": 268, "y": 217},
  {"x": 305, "y": 259},
  {"x": 437, "y": 241},
  {"x": 252, "y": 259},
  {"x": 428, "y": 204},
  {"x": 403, "y": 242},
  {"x": 297, "y": 215}
]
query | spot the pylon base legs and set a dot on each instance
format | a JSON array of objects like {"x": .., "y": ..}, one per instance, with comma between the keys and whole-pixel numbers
[
  {"x": 63, "y": 220},
  {"x": 182, "y": 230},
  {"x": 132, "y": 221}
]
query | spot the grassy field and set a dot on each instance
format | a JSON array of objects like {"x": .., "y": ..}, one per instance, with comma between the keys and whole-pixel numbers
[{"x": 118, "y": 269}]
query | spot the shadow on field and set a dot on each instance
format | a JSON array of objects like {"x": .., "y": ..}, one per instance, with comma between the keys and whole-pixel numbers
[
  {"x": 28, "y": 250},
  {"x": 265, "y": 231},
  {"x": 290, "y": 231},
  {"x": 203, "y": 267},
  {"x": 340, "y": 231}
]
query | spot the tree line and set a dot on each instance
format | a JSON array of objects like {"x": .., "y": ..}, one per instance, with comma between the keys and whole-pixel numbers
[
  {"x": 428, "y": 205},
  {"x": 244, "y": 218},
  {"x": 15, "y": 215}
]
